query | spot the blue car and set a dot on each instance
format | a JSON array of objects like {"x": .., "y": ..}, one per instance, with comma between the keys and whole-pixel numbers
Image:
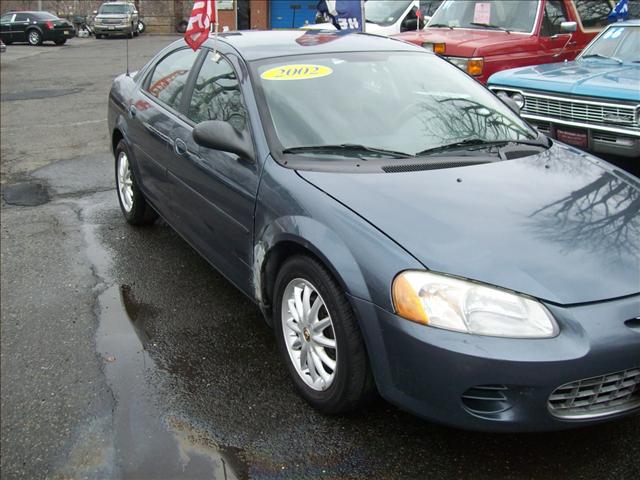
[
  {"x": 593, "y": 102},
  {"x": 402, "y": 229}
]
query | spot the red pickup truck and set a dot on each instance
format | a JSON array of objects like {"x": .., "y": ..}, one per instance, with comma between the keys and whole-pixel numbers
[{"x": 485, "y": 36}]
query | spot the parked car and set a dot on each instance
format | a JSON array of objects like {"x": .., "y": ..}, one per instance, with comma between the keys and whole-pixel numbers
[
  {"x": 116, "y": 18},
  {"x": 388, "y": 17},
  {"x": 414, "y": 234},
  {"x": 3, "y": 47},
  {"x": 34, "y": 28},
  {"x": 592, "y": 102},
  {"x": 485, "y": 36}
]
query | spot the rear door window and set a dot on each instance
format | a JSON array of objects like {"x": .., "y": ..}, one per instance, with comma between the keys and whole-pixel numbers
[
  {"x": 554, "y": 14},
  {"x": 593, "y": 13},
  {"x": 169, "y": 77},
  {"x": 22, "y": 17}
]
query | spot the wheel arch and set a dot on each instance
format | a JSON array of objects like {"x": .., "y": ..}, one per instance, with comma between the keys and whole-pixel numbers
[
  {"x": 312, "y": 239},
  {"x": 116, "y": 137}
]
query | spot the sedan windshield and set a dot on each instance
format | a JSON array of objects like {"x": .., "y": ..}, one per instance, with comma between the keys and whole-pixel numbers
[
  {"x": 384, "y": 12},
  {"x": 511, "y": 15},
  {"x": 108, "y": 9},
  {"x": 403, "y": 103},
  {"x": 621, "y": 44}
]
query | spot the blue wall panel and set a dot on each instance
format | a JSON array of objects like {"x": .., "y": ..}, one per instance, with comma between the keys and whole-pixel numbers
[{"x": 281, "y": 13}]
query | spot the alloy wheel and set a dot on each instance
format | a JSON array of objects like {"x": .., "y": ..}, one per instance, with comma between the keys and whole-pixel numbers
[
  {"x": 34, "y": 37},
  {"x": 125, "y": 182},
  {"x": 309, "y": 334}
]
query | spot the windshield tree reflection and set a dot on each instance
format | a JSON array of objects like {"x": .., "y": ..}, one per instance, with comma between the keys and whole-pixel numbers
[{"x": 400, "y": 101}]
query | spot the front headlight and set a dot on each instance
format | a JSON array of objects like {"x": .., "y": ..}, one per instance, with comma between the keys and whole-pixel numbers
[{"x": 454, "y": 304}]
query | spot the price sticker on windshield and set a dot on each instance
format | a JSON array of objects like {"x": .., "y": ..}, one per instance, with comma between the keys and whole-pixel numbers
[
  {"x": 482, "y": 13},
  {"x": 297, "y": 72}
]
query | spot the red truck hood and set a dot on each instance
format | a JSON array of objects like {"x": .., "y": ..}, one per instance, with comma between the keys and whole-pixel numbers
[{"x": 466, "y": 42}]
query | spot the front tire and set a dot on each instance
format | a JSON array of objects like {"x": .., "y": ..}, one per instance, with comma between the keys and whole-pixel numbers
[
  {"x": 98, "y": 36},
  {"x": 319, "y": 338},
  {"x": 134, "y": 206},
  {"x": 34, "y": 37}
]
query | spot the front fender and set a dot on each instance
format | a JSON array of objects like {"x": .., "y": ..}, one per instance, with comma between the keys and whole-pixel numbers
[{"x": 361, "y": 257}]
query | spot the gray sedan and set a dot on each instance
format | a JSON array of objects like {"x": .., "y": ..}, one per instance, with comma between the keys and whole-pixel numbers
[{"x": 401, "y": 228}]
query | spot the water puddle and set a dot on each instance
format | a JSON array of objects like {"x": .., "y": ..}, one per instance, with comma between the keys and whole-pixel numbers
[{"x": 150, "y": 442}]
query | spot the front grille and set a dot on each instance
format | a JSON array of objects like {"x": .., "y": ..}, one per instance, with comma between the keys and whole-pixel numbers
[
  {"x": 113, "y": 21},
  {"x": 597, "y": 396},
  {"x": 566, "y": 109}
]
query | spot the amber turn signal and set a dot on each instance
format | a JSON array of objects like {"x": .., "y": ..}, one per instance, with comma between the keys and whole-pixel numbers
[
  {"x": 475, "y": 66},
  {"x": 407, "y": 302},
  {"x": 439, "y": 48}
]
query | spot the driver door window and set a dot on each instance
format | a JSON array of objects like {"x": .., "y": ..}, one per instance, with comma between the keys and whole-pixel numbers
[
  {"x": 554, "y": 14},
  {"x": 216, "y": 95}
]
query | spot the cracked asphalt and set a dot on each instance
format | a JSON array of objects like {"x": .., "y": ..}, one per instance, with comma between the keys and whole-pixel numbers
[{"x": 125, "y": 355}]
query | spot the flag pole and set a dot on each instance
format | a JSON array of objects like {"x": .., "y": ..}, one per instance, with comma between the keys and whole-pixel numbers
[{"x": 214, "y": 29}]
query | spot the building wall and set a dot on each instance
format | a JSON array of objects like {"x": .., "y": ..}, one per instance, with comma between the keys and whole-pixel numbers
[{"x": 160, "y": 16}]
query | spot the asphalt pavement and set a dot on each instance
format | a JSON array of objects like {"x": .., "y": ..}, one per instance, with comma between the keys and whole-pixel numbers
[{"x": 125, "y": 355}]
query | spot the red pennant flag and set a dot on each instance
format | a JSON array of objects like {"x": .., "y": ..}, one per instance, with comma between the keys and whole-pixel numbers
[{"x": 202, "y": 16}]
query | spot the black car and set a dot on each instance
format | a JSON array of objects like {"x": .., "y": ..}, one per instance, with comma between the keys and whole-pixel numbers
[{"x": 34, "y": 28}]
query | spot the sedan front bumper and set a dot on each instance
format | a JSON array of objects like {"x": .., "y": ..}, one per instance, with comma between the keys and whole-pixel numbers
[{"x": 502, "y": 384}]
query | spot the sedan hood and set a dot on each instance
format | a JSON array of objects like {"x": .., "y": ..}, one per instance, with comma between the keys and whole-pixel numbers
[
  {"x": 561, "y": 226},
  {"x": 593, "y": 78}
]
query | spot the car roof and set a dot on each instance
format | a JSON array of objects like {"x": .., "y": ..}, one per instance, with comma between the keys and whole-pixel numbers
[
  {"x": 634, "y": 21},
  {"x": 27, "y": 11},
  {"x": 258, "y": 44}
]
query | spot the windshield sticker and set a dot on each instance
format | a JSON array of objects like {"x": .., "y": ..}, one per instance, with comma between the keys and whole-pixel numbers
[
  {"x": 297, "y": 72},
  {"x": 482, "y": 13}
]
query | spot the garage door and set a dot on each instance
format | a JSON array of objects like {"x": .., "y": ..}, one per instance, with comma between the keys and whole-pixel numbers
[{"x": 291, "y": 13}]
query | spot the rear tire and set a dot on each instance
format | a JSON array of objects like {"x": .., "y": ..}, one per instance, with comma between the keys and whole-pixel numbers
[
  {"x": 60, "y": 42},
  {"x": 34, "y": 37},
  {"x": 341, "y": 379},
  {"x": 98, "y": 36},
  {"x": 134, "y": 206}
]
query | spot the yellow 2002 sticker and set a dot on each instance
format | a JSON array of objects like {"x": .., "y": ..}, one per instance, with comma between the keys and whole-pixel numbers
[{"x": 297, "y": 72}]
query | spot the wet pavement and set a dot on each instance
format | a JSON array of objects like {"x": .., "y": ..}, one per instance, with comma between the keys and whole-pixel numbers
[{"x": 125, "y": 355}]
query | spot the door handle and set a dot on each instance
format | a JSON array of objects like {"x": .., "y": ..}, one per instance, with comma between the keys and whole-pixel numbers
[
  {"x": 132, "y": 111},
  {"x": 179, "y": 146}
]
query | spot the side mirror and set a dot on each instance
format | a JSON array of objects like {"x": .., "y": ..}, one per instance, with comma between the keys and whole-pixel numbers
[
  {"x": 219, "y": 135},
  {"x": 568, "y": 27},
  {"x": 135, "y": 12},
  {"x": 409, "y": 24},
  {"x": 95, "y": 12}
]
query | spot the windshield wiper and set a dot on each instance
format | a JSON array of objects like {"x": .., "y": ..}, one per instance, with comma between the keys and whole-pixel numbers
[
  {"x": 441, "y": 25},
  {"x": 347, "y": 147},
  {"x": 475, "y": 142},
  {"x": 599, "y": 55},
  {"x": 489, "y": 25}
]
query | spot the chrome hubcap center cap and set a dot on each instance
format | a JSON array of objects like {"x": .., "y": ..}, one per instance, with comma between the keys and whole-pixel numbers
[{"x": 306, "y": 335}]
